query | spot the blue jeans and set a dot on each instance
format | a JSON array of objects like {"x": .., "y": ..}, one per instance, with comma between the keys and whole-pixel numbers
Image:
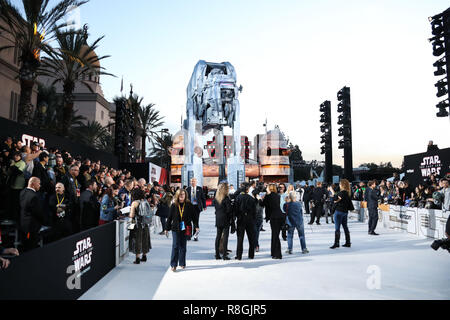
[
  {"x": 179, "y": 241},
  {"x": 340, "y": 218},
  {"x": 301, "y": 235}
]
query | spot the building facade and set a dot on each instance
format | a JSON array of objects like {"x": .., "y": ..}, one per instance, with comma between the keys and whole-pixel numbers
[{"x": 9, "y": 81}]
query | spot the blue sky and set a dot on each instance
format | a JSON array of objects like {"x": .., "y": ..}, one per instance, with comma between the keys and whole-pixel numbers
[{"x": 289, "y": 56}]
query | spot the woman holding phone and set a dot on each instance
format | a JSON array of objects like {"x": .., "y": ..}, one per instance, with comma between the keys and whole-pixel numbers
[{"x": 179, "y": 221}]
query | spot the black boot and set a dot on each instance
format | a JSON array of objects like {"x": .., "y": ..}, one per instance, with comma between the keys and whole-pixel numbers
[
  {"x": 218, "y": 257},
  {"x": 137, "y": 261},
  {"x": 144, "y": 258},
  {"x": 337, "y": 236},
  {"x": 347, "y": 240}
]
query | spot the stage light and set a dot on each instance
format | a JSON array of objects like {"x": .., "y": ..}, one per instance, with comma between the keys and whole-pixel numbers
[{"x": 440, "y": 67}]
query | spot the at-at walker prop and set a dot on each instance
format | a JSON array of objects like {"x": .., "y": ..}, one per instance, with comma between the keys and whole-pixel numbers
[{"x": 212, "y": 103}]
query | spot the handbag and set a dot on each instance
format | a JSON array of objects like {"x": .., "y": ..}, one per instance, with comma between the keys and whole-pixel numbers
[
  {"x": 132, "y": 225},
  {"x": 188, "y": 231}
]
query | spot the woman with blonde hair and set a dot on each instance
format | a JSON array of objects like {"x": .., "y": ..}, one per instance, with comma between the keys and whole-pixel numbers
[
  {"x": 343, "y": 205},
  {"x": 179, "y": 221},
  {"x": 224, "y": 219}
]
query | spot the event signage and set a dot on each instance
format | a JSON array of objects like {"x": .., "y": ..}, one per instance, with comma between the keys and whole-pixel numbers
[
  {"x": 64, "y": 269},
  {"x": 419, "y": 167},
  {"x": 82, "y": 256},
  {"x": 403, "y": 218},
  {"x": 28, "y": 139}
]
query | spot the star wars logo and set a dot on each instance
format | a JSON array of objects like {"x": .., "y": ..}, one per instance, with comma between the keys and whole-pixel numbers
[
  {"x": 82, "y": 256},
  {"x": 430, "y": 165},
  {"x": 27, "y": 140}
]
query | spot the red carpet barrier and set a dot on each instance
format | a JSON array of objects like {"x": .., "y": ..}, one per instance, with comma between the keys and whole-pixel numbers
[{"x": 62, "y": 270}]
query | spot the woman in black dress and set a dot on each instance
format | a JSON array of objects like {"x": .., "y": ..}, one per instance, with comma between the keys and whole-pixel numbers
[
  {"x": 179, "y": 221},
  {"x": 140, "y": 234},
  {"x": 224, "y": 218},
  {"x": 277, "y": 218}
]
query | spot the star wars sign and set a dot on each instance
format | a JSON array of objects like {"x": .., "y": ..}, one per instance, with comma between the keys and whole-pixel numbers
[
  {"x": 27, "y": 140},
  {"x": 82, "y": 256},
  {"x": 431, "y": 165}
]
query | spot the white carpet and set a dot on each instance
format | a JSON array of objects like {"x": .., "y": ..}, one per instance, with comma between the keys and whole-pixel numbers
[{"x": 407, "y": 267}]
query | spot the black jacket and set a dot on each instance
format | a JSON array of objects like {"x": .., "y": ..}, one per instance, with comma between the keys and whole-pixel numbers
[
  {"x": 345, "y": 204},
  {"x": 224, "y": 213},
  {"x": 272, "y": 204},
  {"x": 40, "y": 172},
  {"x": 244, "y": 207},
  {"x": 31, "y": 214},
  {"x": 89, "y": 210},
  {"x": 201, "y": 200},
  {"x": 372, "y": 198},
  {"x": 71, "y": 185},
  {"x": 318, "y": 196},
  {"x": 52, "y": 204},
  {"x": 174, "y": 219},
  {"x": 307, "y": 193}
]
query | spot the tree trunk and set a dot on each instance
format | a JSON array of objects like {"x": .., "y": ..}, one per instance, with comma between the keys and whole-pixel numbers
[
  {"x": 68, "y": 88},
  {"x": 27, "y": 76},
  {"x": 143, "y": 144}
]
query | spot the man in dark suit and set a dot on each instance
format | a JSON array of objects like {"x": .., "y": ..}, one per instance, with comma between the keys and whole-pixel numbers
[
  {"x": 31, "y": 215},
  {"x": 307, "y": 197},
  {"x": 73, "y": 189},
  {"x": 40, "y": 171},
  {"x": 198, "y": 199},
  {"x": 89, "y": 207},
  {"x": 372, "y": 206}
]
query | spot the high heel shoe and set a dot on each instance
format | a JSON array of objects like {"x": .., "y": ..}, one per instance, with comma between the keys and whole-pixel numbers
[
  {"x": 144, "y": 258},
  {"x": 137, "y": 261}
]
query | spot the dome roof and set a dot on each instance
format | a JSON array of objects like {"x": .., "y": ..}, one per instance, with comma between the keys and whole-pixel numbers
[{"x": 91, "y": 56}]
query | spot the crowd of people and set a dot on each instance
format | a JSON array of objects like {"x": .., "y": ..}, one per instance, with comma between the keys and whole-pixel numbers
[
  {"x": 68, "y": 194},
  {"x": 243, "y": 211},
  {"x": 432, "y": 194},
  {"x": 50, "y": 187}
]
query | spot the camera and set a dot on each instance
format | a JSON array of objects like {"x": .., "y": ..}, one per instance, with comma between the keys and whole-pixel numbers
[{"x": 441, "y": 243}]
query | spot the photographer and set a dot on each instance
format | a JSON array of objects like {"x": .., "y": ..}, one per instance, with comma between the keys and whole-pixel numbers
[
  {"x": 108, "y": 207},
  {"x": 61, "y": 217},
  {"x": 445, "y": 242}
]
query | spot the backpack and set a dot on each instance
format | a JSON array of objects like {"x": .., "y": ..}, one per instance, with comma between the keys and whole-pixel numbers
[
  {"x": 146, "y": 212},
  {"x": 438, "y": 198}
]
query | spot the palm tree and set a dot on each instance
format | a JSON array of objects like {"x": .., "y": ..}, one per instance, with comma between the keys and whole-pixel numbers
[
  {"x": 92, "y": 134},
  {"x": 29, "y": 32},
  {"x": 53, "y": 116},
  {"x": 161, "y": 151},
  {"x": 73, "y": 62},
  {"x": 147, "y": 119}
]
